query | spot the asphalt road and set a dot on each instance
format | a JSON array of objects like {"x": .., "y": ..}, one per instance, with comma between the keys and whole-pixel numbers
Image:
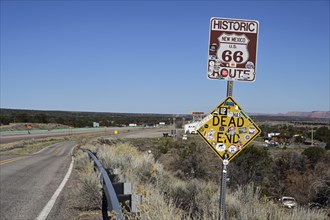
[
  {"x": 28, "y": 182},
  {"x": 7, "y": 138}
]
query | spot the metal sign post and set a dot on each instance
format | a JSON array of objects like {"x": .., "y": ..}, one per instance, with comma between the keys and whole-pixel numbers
[
  {"x": 232, "y": 56},
  {"x": 230, "y": 85},
  {"x": 222, "y": 215}
]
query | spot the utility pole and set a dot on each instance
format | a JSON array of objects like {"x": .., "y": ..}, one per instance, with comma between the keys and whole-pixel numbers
[
  {"x": 312, "y": 143},
  {"x": 174, "y": 129}
]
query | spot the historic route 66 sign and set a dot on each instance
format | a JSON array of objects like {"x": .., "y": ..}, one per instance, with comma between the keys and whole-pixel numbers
[{"x": 232, "y": 49}]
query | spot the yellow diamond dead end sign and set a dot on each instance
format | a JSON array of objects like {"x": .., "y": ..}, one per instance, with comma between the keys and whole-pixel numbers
[{"x": 227, "y": 129}]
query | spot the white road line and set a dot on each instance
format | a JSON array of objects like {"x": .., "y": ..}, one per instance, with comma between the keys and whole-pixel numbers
[
  {"x": 46, "y": 210},
  {"x": 73, "y": 149},
  {"x": 52, "y": 145}
]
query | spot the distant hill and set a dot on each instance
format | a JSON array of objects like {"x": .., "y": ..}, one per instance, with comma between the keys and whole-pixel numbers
[
  {"x": 84, "y": 119},
  {"x": 313, "y": 114}
]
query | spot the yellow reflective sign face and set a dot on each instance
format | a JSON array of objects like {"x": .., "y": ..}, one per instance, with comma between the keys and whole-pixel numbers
[{"x": 227, "y": 129}]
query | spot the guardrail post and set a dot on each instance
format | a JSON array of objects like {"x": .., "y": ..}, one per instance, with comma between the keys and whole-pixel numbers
[
  {"x": 104, "y": 207},
  {"x": 122, "y": 188},
  {"x": 111, "y": 197},
  {"x": 115, "y": 193},
  {"x": 130, "y": 202}
]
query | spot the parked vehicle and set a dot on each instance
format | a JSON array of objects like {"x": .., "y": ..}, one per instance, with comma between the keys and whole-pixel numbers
[{"x": 288, "y": 202}]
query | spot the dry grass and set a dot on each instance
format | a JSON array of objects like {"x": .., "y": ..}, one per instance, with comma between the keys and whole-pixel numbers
[
  {"x": 28, "y": 146},
  {"x": 245, "y": 203},
  {"x": 156, "y": 206},
  {"x": 88, "y": 192},
  {"x": 159, "y": 187},
  {"x": 167, "y": 197}
]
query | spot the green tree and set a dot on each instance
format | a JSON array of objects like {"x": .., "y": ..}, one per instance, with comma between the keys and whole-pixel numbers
[
  {"x": 285, "y": 162},
  {"x": 23, "y": 118},
  {"x": 321, "y": 183},
  {"x": 193, "y": 160},
  {"x": 314, "y": 154},
  {"x": 4, "y": 120},
  {"x": 41, "y": 118},
  {"x": 322, "y": 134},
  {"x": 250, "y": 165}
]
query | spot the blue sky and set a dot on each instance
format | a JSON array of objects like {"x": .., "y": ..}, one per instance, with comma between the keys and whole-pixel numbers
[{"x": 151, "y": 56}]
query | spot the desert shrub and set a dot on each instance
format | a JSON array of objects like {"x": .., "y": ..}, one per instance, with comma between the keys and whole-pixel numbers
[
  {"x": 321, "y": 184},
  {"x": 110, "y": 159},
  {"x": 314, "y": 154},
  {"x": 245, "y": 203},
  {"x": 104, "y": 141},
  {"x": 255, "y": 162},
  {"x": 242, "y": 201},
  {"x": 88, "y": 192},
  {"x": 285, "y": 164},
  {"x": 206, "y": 200},
  {"x": 295, "y": 175},
  {"x": 156, "y": 207},
  {"x": 166, "y": 196},
  {"x": 323, "y": 134},
  {"x": 299, "y": 185},
  {"x": 164, "y": 148},
  {"x": 190, "y": 159},
  {"x": 129, "y": 161},
  {"x": 193, "y": 160},
  {"x": 82, "y": 161},
  {"x": 141, "y": 168},
  {"x": 179, "y": 192},
  {"x": 146, "y": 174}
]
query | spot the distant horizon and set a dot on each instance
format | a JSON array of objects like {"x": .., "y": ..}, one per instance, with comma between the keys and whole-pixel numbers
[{"x": 259, "y": 113}]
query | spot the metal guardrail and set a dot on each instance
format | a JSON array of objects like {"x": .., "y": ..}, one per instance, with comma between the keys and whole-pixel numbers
[{"x": 113, "y": 204}]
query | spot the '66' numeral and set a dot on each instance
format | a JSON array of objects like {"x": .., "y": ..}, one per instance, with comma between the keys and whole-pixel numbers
[{"x": 237, "y": 56}]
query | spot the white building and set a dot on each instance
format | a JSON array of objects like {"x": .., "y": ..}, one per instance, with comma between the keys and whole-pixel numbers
[
  {"x": 270, "y": 135},
  {"x": 190, "y": 128},
  {"x": 96, "y": 125}
]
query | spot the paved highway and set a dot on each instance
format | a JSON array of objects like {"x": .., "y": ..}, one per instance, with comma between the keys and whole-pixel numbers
[
  {"x": 28, "y": 182},
  {"x": 7, "y": 137}
]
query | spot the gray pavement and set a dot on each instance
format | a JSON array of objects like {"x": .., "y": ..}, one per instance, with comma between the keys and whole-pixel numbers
[{"x": 27, "y": 182}]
